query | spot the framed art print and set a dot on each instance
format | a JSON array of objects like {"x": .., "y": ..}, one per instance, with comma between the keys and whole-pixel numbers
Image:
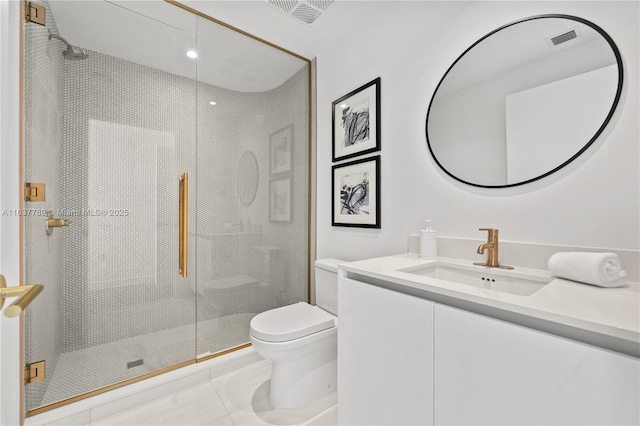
[
  {"x": 356, "y": 193},
  {"x": 280, "y": 151},
  {"x": 280, "y": 203},
  {"x": 356, "y": 122}
]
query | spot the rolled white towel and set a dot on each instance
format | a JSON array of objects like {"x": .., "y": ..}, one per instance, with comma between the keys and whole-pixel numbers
[{"x": 601, "y": 269}]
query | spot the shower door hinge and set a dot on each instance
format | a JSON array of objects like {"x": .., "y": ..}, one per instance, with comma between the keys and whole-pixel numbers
[
  {"x": 34, "y": 191},
  {"x": 34, "y": 13},
  {"x": 34, "y": 372}
]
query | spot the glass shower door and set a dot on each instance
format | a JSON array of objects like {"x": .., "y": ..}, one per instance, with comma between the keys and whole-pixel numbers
[
  {"x": 109, "y": 135},
  {"x": 253, "y": 184}
]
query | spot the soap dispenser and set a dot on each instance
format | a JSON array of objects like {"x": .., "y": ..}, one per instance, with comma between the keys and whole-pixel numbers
[{"x": 428, "y": 242}]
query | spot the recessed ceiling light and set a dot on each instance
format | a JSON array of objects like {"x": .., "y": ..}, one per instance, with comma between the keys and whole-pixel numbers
[
  {"x": 192, "y": 54},
  {"x": 343, "y": 106},
  {"x": 212, "y": 103}
]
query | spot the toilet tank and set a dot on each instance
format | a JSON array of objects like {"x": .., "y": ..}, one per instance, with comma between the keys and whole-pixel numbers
[{"x": 327, "y": 284}]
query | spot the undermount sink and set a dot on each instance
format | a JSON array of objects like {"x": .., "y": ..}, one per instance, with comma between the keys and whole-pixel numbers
[{"x": 510, "y": 281}]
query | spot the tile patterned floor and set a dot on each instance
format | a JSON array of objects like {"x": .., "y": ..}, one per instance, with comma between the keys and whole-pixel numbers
[{"x": 236, "y": 398}]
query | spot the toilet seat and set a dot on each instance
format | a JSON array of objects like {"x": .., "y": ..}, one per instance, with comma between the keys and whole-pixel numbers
[{"x": 290, "y": 322}]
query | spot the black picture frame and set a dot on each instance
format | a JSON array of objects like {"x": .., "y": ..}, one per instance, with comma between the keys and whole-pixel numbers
[
  {"x": 355, "y": 119},
  {"x": 355, "y": 194}
]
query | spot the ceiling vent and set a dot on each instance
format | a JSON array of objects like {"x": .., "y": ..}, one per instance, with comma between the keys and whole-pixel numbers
[
  {"x": 564, "y": 37},
  {"x": 306, "y": 11}
]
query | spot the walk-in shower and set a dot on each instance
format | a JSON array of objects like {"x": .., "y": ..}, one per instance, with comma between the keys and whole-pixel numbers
[{"x": 109, "y": 137}]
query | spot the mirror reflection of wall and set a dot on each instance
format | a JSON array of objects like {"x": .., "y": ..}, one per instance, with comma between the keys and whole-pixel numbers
[
  {"x": 249, "y": 175},
  {"x": 516, "y": 106}
]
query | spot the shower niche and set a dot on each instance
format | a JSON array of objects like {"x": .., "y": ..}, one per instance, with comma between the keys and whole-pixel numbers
[{"x": 163, "y": 93}]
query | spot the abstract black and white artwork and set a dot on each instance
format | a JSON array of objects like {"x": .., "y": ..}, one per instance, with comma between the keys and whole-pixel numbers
[
  {"x": 356, "y": 193},
  {"x": 356, "y": 122}
]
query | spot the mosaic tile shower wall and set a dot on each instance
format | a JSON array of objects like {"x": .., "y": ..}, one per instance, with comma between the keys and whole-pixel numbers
[
  {"x": 239, "y": 251},
  {"x": 128, "y": 131}
]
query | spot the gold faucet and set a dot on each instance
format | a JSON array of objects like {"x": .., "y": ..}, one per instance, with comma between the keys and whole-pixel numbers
[{"x": 491, "y": 247}]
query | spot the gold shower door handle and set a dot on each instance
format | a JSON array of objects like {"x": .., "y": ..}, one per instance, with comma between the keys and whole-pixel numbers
[
  {"x": 184, "y": 224},
  {"x": 24, "y": 293}
]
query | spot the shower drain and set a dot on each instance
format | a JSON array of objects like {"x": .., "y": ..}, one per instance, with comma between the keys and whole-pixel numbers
[{"x": 135, "y": 363}]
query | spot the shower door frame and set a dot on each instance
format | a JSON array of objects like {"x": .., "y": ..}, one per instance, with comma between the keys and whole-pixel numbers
[{"x": 21, "y": 180}]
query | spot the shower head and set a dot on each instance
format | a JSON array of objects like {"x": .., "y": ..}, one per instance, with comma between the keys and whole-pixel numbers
[{"x": 71, "y": 52}]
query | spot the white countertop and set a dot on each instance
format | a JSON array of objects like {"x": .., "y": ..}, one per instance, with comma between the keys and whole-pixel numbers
[{"x": 613, "y": 312}]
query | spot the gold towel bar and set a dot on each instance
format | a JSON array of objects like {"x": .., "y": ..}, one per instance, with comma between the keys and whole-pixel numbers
[{"x": 24, "y": 293}]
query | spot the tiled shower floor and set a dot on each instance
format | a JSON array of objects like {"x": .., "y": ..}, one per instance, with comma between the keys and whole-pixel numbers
[{"x": 92, "y": 368}]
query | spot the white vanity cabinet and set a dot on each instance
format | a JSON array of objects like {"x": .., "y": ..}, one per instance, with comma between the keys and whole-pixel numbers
[
  {"x": 488, "y": 371},
  {"x": 385, "y": 356},
  {"x": 404, "y": 359}
]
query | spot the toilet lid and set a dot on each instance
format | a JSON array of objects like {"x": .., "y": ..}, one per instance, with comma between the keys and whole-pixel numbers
[{"x": 290, "y": 322}]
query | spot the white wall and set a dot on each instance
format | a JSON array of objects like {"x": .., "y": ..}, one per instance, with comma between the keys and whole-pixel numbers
[
  {"x": 9, "y": 199},
  {"x": 592, "y": 202}
]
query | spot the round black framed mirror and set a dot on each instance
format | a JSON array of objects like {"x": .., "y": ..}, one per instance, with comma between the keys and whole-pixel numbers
[{"x": 524, "y": 101}]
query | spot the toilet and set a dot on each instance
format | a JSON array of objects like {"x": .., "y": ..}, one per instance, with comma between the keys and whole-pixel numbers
[{"x": 302, "y": 341}]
